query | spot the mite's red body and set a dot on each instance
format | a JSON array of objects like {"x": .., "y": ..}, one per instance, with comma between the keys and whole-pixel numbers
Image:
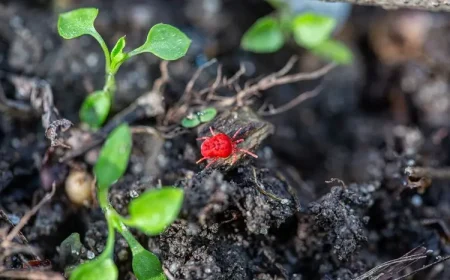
[{"x": 221, "y": 145}]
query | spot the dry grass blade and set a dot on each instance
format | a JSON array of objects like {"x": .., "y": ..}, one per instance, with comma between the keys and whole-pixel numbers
[
  {"x": 391, "y": 268},
  {"x": 422, "y": 268}
]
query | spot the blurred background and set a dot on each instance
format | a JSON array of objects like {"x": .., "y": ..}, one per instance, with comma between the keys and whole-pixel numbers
[{"x": 386, "y": 110}]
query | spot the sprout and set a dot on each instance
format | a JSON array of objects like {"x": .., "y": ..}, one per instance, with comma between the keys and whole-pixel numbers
[
  {"x": 152, "y": 213},
  {"x": 194, "y": 119},
  {"x": 163, "y": 40}
]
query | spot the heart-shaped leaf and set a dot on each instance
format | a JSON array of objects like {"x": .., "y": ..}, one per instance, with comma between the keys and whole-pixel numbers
[
  {"x": 165, "y": 41},
  {"x": 207, "y": 115},
  {"x": 77, "y": 22},
  {"x": 146, "y": 266},
  {"x": 190, "y": 121},
  {"x": 113, "y": 159},
  {"x": 311, "y": 30},
  {"x": 95, "y": 109},
  {"x": 99, "y": 269},
  {"x": 153, "y": 211},
  {"x": 264, "y": 36}
]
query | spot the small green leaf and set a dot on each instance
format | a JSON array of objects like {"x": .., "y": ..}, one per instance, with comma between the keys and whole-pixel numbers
[
  {"x": 207, "y": 115},
  {"x": 99, "y": 269},
  {"x": 156, "y": 209},
  {"x": 165, "y": 41},
  {"x": 335, "y": 51},
  {"x": 146, "y": 266},
  {"x": 95, "y": 109},
  {"x": 190, "y": 121},
  {"x": 77, "y": 22},
  {"x": 311, "y": 30},
  {"x": 264, "y": 36},
  {"x": 69, "y": 250},
  {"x": 117, "y": 52},
  {"x": 113, "y": 159}
]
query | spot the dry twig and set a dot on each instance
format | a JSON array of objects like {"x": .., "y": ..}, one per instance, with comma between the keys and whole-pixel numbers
[
  {"x": 291, "y": 104},
  {"x": 431, "y": 5},
  {"x": 31, "y": 275},
  {"x": 8, "y": 248},
  {"x": 430, "y": 172},
  {"x": 40, "y": 97},
  {"x": 242, "y": 97},
  {"x": 27, "y": 217}
]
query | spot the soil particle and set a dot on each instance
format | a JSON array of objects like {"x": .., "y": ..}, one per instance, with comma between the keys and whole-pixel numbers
[
  {"x": 194, "y": 253},
  {"x": 338, "y": 215}
]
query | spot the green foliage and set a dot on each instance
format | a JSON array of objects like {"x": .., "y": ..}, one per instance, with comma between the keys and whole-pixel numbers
[
  {"x": 152, "y": 212},
  {"x": 155, "y": 209},
  {"x": 194, "y": 119},
  {"x": 95, "y": 108},
  {"x": 309, "y": 30},
  {"x": 117, "y": 54},
  {"x": 113, "y": 158},
  {"x": 166, "y": 42},
  {"x": 264, "y": 36},
  {"x": 207, "y": 115},
  {"x": 335, "y": 51},
  {"x": 190, "y": 121},
  {"x": 70, "y": 249},
  {"x": 78, "y": 22},
  {"x": 163, "y": 40},
  {"x": 146, "y": 266},
  {"x": 98, "y": 269}
]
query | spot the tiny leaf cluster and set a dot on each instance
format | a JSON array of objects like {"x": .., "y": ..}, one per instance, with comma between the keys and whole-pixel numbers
[
  {"x": 196, "y": 118},
  {"x": 163, "y": 40},
  {"x": 309, "y": 30},
  {"x": 152, "y": 212}
]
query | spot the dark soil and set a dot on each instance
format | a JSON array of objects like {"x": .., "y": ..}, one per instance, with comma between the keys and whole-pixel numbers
[{"x": 280, "y": 216}]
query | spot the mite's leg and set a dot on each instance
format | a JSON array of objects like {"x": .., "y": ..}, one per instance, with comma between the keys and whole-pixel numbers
[
  {"x": 248, "y": 153},
  {"x": 236, "y": 133}
]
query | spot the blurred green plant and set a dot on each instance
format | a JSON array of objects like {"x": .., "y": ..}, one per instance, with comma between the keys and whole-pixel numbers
[
  {"x": 152, "y": 212},
  {"x": 163, "y": 40},
  {"x": 309, "y": 30}
]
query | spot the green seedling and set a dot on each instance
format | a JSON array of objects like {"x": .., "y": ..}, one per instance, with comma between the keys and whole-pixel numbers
[
  {"x": 309, "y": 30},
  {"x": 163, "y": 40},
  {"x": 152, "y": 212},
  {"x": 194, "y": 119}
]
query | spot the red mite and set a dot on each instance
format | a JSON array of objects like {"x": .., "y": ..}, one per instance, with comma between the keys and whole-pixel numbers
[{"x": 221, "y": 145}]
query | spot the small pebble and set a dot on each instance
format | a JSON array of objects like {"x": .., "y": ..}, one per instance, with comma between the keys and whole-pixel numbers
[
  {"x": 79, "y": 187},
  {"x": 90, "y": 255},
  {"x": 134, "y": 194}
]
